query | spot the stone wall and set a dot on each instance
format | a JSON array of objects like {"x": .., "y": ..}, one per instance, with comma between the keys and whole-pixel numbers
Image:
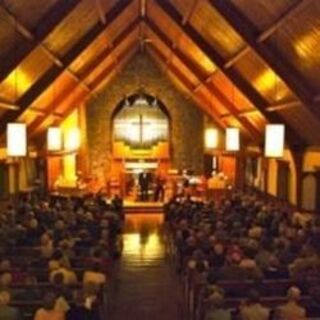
[{"x": 187, "y": 120}]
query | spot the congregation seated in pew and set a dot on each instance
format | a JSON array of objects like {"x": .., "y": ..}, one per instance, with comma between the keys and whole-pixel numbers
[
  {"x": 59, "y": 245},
  {"x": 242, "y": 244}
]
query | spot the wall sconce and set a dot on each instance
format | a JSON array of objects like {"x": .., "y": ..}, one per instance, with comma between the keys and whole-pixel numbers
[
  {"x": 232, "y": 139},
  {"x": 16, "y": 139},
  {"x": 54, "y": 139},
  {"x": 274, "y": 140},
  {"x": 72, "y": 139},
  {"x": 211, "y": 138}
]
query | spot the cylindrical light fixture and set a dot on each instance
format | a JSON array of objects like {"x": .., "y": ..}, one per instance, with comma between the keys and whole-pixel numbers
[
  {"x": 54, "y": 141},
  {"x": 211, "y": 138},
  {"x": 274, "y": 140},
  {"x": 72, "y": 139},
  {"x": 16, "y": 139},
  {"x": 232, "y": 139}
]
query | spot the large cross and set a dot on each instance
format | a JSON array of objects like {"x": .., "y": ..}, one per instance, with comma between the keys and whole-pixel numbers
[{"x": 141, "y": 123}]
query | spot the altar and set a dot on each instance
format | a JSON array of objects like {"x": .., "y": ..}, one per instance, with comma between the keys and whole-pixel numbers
[{"x": 141, "y": 144}]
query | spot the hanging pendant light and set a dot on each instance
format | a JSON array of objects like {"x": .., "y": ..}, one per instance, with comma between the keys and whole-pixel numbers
[
  {"x": 54, "y": 141},
  {"x": 211, "y": 138},
  {"x": 232, "y": 139},
  {"x": 16, "y": 139},
  {"x": 72, "y": 139},
  {"x": 274, "y": 140}
]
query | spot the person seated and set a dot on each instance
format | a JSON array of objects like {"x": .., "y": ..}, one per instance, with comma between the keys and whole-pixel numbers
[
  {"x": 46, "y": 245},
  {"x": 94, "y": 275},
  {"x": 47, "y": 312},
  {"x": 231, "y": 270},
  {"x": 7, "y": 312},
  {"x": 5, "y": 273},
  {"x": 69, "y": 276},
  {"x": 252, "y": 309},
  {"x": 215, "y": 310},
  {"x": 292, "y": 310},
  {"x": 79, "y": 311}
]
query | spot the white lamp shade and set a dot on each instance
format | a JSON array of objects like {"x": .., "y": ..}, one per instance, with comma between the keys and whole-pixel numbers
[
  {"x": 211, "y": 138},
  {"x": 72, "y": 139},
  {"x": 274, "y": 140},
  {"x": 232, "y": 139},
  {"x": 16, "y": 139},
  {"x": 54, "y": 142}
]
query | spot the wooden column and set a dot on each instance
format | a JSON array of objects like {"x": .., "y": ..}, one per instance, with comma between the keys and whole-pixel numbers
[
  {"x": 240, "y": 171},
  {"x": 298, "y": 155}
]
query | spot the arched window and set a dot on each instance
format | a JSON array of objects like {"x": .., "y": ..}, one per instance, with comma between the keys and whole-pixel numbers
[{"x": 141, "y": 122}]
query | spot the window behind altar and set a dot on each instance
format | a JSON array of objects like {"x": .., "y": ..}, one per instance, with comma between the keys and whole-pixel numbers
[{"x": 141, "y": 124}]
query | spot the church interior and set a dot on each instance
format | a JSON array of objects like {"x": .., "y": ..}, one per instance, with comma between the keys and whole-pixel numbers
[{"x": 159, "y": 159}]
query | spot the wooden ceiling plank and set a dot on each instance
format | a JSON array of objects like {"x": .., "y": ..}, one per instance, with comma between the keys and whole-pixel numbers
[
  {"x": 293, "y": 10},
  {"x": 269, "y": 53},
  {"x": 266, "y": 34},
  {"x": 100, "y": 12},
  {"x": 44, "y": 82},
  {"x": 104, "y": 74},
  {"x": 25, "y": 32},
  {"x": 45, "y": 26},
  {"x": 106, "y": 53},
  {"x": 189, "y": 86},
  {"x": 243, "y": 85},
  {"x": 271, "y": 108},
  {"x": 212, "y": 88},
  {"x": 89, "y": 70}
]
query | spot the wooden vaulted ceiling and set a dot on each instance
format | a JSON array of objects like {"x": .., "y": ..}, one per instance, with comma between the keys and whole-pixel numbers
[{"x": 244, "y": 62}]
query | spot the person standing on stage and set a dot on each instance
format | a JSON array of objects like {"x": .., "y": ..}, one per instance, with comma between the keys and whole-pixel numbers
[
  {"x": 159, "y": 188},
  {"x": 144, "y": 181}
]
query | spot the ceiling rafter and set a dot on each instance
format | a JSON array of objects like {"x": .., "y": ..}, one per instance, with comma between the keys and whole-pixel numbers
[
  {"x": 267, "y": 33},
  {"x": 52, "y": 74},
  {"x": 268, "y": 52},
  {"x": 207, "y": 108},
  {"x": 116, "y": 65},
  {"x": 45, "y": 26},
  {"x": 271, "y": 108},
  {"x": 185, "y": 18},
  {"x": 100, "y": 11},
  {"x": 264, "y": 35},
  {"x": 212, "y": 88},
  {"x": 243, "y": 85},
  {"x": 90, "y": 68}
]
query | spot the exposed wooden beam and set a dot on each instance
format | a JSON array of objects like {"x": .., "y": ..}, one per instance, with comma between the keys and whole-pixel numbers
[
  {"x": 54, "y": 72},
  {"x": 45, "y": 26},
  {"x": 295, "y": 8},
  {"x": 243, "y": 85},
  {"x": 190, "y": 11},
  {"x": 271, "y": 108},
  {"x": 268, "y": 52},
  {"x": 109, "y": 49},
  {"x": 102, "y": 76},
  {"x": 43, "y": 112},
  {"x": 212, "y": 88},
  {"x": 91, "y": 67},
  {"x": 143, "y": 8},
  {"x": 283, "y": 106},
  {"x": 206, "y": 105},
  {"x": 185, "y": 18},
  {"x": 266, "y": 34},
  {"x": 100, "y": 12},
  {"x": 8, "y": 106}
]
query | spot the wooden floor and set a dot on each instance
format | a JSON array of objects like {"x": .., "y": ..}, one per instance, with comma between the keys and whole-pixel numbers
[{"x": 145, "y": 286}]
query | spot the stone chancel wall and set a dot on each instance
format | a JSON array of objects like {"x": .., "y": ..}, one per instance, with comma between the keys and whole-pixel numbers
[{"x": 187, "y": 120}]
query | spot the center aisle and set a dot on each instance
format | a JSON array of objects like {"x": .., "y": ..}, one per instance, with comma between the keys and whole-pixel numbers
[{"x": 144, "y": 285}]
